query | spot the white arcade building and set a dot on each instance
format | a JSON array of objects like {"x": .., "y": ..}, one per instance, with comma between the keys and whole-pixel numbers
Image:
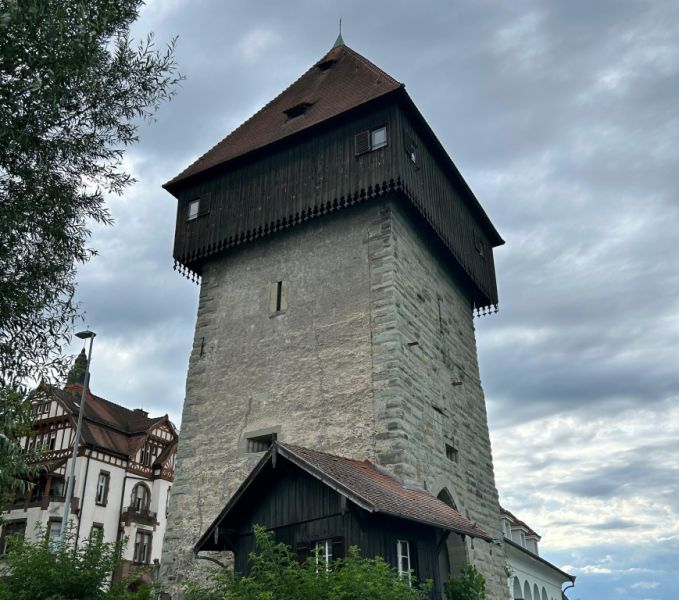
[{"x": 532, "y": 577}]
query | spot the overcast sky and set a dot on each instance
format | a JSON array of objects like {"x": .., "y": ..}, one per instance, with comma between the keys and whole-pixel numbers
[{"x": 564, "y": 119}]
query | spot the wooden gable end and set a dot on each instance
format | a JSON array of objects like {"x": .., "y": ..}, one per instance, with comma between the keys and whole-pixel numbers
[{"x": 302, "y": 510}]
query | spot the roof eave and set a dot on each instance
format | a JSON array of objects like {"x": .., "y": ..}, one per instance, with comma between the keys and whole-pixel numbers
[
  {"x": 205, "y": 538},
  {"x": 539, "y": 558},
  {"x": 479, "y": 533}
]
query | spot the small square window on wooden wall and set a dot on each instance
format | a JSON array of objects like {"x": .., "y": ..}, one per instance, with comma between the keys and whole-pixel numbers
[
  {"x": 197, "y": 207},
  {"x": 373, "y": 139},
  {"x": 378, "y": 138},
  {"x": 194, "y": 209}
]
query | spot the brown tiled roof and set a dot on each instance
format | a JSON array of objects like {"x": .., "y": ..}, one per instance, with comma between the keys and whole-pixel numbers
[
  {"x": 518, "y": 522},
  {"x": 349, "y": 81},
  {"x": 106, "y": 425},
  {"x": 372, "y": 488},
  {"x": 383, "y": 492}
]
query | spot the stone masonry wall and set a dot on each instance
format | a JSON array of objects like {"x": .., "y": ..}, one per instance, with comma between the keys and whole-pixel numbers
[
  {"x": 374, "y": 357},
  {"x": 427, "y": 388},
  {"x": 307, "y": 371}
]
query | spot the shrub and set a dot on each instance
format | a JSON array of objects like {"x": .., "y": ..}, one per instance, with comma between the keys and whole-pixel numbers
[
  {"x": 468, "y": 585},
  {"x": 275, "y": 574},
  {"x": 46, "y": 570}
]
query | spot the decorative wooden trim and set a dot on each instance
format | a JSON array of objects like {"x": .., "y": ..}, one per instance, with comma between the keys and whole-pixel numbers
[{"x": 186, "y": 264}]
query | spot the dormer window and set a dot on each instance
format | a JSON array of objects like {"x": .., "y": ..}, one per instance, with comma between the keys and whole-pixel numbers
[
  {"x": 297, "y": 110},
  {"x": 326, "y": 64}
]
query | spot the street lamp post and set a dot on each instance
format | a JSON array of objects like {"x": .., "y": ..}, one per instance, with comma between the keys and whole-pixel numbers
[{"x": 83, "y": 335}]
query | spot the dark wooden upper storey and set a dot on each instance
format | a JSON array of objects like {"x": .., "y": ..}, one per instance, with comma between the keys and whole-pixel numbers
[{"x": 319, "y": 147}]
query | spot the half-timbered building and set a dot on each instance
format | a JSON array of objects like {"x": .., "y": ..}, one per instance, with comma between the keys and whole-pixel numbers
[{"x": 123, "y": 474}]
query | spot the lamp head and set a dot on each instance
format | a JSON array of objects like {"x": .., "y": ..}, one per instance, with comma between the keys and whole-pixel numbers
[{"x": 84, "y": 335}]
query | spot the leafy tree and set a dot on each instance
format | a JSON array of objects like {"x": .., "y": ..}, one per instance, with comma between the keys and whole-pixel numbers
[
  {"x": 74, "y": 88},
  {"x": 16, "y": 466},
  {"x": 44, "y": 570},
  {"x": 468, "y": 585},
  {"x": 275, "y": 574}
]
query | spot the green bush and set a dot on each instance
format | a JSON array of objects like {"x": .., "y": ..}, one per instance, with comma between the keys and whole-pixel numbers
[
  {"x": 468, "y": 585},
  {"x": 276, "y": 574},
  {"x": 47, "y": 570}
]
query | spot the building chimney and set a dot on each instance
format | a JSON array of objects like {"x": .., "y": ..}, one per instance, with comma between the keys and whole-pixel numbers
[{"x": 140, "y": 411}]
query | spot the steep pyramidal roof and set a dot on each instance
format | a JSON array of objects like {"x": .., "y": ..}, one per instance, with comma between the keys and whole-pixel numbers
[{"x": 340, "y": 81}]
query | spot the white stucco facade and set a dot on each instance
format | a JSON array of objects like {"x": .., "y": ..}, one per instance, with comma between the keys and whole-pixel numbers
[
  {"x": 123, "y": 477},
  {"x": 531, "y": 576}
]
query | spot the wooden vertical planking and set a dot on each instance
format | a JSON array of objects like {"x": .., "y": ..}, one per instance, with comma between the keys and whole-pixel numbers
[{"x": 315, "y": 170}]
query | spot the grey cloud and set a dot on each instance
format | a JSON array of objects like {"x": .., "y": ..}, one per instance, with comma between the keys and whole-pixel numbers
[{"x": 562, "y": 118}]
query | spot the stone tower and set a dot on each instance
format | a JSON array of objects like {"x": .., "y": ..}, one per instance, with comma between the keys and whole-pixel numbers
[{"x": 342, "y": 258}]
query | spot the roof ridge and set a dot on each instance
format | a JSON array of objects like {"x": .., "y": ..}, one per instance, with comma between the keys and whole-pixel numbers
[
  {"x": 372, "y": 66},
  {"x": 130, "y": 411}
]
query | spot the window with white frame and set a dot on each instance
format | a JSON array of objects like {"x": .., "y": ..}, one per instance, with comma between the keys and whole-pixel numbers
[
  {"x": 53, "y": 531},
  {"x": 378, "y": 138},
  {"x": 102, "y": 488},
  {"x": 142, "y": 547},
  {"x": 403, "y": 555},
  {"x": 323, "y": 553},
  {"x": 372, "y": 139},
  {"x": 194, "y": 209}
]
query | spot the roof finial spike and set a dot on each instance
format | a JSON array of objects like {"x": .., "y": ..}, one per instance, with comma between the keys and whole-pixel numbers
[{"x": 340, "y": 40}]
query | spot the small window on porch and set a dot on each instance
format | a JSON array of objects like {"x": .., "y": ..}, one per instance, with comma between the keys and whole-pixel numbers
[{"x": 404, "y": 563}]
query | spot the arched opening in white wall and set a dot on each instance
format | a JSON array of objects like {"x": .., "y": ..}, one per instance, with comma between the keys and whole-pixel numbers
[
  {"x": 517, "y": 589},
  {"x": 544, "y": 593},
  {"x": 526, "y": 591},
  {"x": 141, "y": 497},
  {"x": 536, "y": 592},
  {"x": 455, "y": 548}
]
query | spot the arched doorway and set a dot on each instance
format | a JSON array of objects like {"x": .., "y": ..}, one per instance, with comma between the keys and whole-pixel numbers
[
  {"x": 526, "y": 591},
  {"x": 456, "y": 550}
]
